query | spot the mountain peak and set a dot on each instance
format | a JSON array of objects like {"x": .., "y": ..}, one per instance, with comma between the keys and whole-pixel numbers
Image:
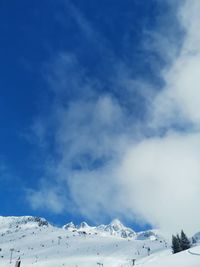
[
  {"x": 83, "y": 225},
  {"x": 69, "y": 225},
  {"x": 116, "y": 222}
]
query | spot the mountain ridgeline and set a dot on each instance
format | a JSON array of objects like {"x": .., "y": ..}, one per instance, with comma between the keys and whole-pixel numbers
[{"x": 115, "y": 228}]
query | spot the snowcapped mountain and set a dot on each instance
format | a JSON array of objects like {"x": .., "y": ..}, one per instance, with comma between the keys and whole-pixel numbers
[
  {"x": 115, "y": 228},
  {"x": 118, "y": 229},
  {"x": 144, "y": 235},
  {"x": 40, "y": 244},
  {"x": 15, "y": 222}
]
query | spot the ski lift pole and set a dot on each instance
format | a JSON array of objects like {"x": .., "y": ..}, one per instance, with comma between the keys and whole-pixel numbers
[
  {"x": 11, "y": 254},
  {"x": 18, "y": 263},
  {"x": 133, "y": 262}
]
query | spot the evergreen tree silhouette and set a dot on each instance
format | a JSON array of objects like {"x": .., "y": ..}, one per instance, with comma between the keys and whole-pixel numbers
[
  {"x": 176, "y": 245},
  {"x": 184, "y": 241}
]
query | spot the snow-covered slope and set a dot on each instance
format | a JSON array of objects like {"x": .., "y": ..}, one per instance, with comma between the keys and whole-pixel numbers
[
  {"x": 187, "y": 258},
  {"x": 40, "y": 244}
]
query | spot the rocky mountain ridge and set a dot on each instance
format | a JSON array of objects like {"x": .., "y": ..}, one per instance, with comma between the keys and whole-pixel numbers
[{"x": 115, "y": 228}]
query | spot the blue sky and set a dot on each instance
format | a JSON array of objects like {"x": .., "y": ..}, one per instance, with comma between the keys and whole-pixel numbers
[{"x": 80, "y": 84}]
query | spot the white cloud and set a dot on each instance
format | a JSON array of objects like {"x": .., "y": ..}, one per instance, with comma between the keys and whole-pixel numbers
[
  {"x": 160, "y": 178},
  {"x": 46, "y": 198},
  {"x": 104, "y": 156},
  {"x": 180, "y": 98}
]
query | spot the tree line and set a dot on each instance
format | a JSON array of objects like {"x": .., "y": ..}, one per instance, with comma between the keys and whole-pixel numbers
[{"x": 180, "y": 242}]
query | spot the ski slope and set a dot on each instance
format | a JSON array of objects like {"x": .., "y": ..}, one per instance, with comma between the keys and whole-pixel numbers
[
  {"x": 188, "y": 258},
  {"x": 40, "y": 244}
]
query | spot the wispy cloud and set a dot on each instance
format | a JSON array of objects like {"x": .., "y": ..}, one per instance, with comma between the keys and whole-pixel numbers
[{"x": 104, "y": 148}]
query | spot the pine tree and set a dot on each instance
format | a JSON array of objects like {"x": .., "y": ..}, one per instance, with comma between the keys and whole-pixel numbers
[
  {"x": 194, "y": 241},
  {"x": 178, "y": 238},
  {"x": 176, "y": 246},
  {"x": 184, "y": 241}
]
